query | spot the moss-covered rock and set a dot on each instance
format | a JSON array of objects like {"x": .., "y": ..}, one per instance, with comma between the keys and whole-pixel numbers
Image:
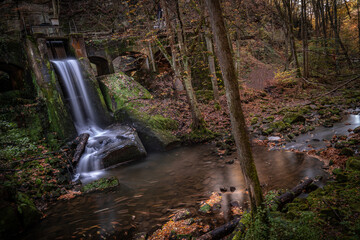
[
  {"x": 154, "y": 136},
  {"x": 154, "y": 130},
  {"x": 357, "y": 130},
  {"x": 347, "y": 152},
  {"x": 101, "y": 184},
  {"x": 292, "y": 118},
  {"x": 254, "y": 120},
  {"x": 353, "y": 163},
  {"x": 26, "y": 207},
  {"x": 119, "y": 89},
  {"x": 280, "y": 125}
]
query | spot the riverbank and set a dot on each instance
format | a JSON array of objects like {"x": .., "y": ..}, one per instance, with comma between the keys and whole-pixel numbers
[{"x": 37, "y": 173}]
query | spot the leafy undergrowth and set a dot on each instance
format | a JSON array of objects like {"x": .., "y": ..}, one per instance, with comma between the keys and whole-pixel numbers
[
  {"x": 332, "y": 212},
  {"x": 31, "y": 173}
]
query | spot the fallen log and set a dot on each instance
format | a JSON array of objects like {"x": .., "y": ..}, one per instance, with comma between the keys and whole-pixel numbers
[
  {"x": 221, "y": 231},
  {"x": 289, "y": 196},
  {"x": 82, "y": 138}
]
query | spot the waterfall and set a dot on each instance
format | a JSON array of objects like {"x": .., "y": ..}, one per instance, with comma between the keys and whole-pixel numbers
[{"x": 83, "y": 114}]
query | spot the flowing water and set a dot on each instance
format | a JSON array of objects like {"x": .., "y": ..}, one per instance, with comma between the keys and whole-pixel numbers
[
  {"x": 85, "y": 120},
  {"x": 321, "y": 136},
  {"x": 150, "y": 190}
]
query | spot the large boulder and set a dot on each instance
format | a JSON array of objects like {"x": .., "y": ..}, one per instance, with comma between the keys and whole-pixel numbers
[
  {"x": 155, "y": 131},
  {"x": 118, "y": 144}
]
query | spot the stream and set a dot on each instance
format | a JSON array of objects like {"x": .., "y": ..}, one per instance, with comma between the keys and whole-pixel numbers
[
  {"x": 152, "y": 189},
  {"x": 321, "y": 136}
]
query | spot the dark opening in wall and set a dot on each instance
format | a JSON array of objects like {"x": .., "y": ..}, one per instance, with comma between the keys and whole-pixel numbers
[
  {"x": 11, "y": 77},
  {"x": 57, "y": 49},
  {"x": 102, "y": 66}
]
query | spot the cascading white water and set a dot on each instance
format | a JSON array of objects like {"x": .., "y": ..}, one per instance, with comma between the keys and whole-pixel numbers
[
  {"x": 77, "y": 93},
  {"x": 82, "y": 111}
]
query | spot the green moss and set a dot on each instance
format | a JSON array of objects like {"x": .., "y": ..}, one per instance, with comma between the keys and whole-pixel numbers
[
  {"x": 162, "y": 123},
  {"x": 280, "y": 125},
  {"x": 101, "y": 184},
  {"x": 353, "y": 163},
  {"x": 254, "y": 120},
  {"x": 205, "y": 208},
  {"x": 204, "y": 95},
  {"x": 119, "y": 89},
  {"x": 27, "y": 209},
  {"x": 200, "y": 135}
]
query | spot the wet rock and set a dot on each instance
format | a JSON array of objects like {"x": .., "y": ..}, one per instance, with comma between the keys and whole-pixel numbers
[
  {"x": 101, "y": 184},
  {"x": 230, "y": 161},
  {"x": 274, "y": 139},
  {"x": 232, "y": 189},
  {"x": 357, "y": 130},
  {"x": 181, "y": 214},
  {"x": 294, "y": 118},
  {"x": 347, "y": 152},
  {"x": 154, "y": 134},
  {"x": 125, "y": 145},
  {"x": 223, "y": 189},
  {"x": 328, "y": 124}
]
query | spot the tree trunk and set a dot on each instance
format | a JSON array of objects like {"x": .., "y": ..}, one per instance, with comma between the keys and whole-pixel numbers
[
  {"x": 336, "y": 33},
  {"x": 239, "y": 130},
  {"x": 237, "y": 53},
  {"x": 222, "y": 231},
  {"x": 358, "y": 16},
  {"x": 293, "y": 193},
  {"x": 324, "y": 21},
  {"x": 152, "y": 57},
  {"x": 197, "y": 119},
  {"x": 289, "y": 21},
  {"x": 171, "y": 37},
  {"x": 304, "y": 39},
  {"x": 211, "y": 59},
  {"x": 335, "y": 22}
]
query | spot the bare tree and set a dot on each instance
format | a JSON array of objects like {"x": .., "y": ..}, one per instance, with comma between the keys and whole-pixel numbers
[
  {"x": 197, "y": 119},
  {"x": 239, "y": 130}
]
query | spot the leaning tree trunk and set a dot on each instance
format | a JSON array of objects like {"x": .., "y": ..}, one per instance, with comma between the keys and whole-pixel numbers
[
  {"x": 233, "y": 98},
  {"x": 152, "y": 58}
]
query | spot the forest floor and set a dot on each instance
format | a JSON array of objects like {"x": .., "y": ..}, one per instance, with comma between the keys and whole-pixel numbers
[{"x": 282, "y": 110}]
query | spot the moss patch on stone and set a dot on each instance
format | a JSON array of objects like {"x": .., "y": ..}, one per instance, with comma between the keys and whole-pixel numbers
[
  {"x": 101, "y": 184},
  {"x": 119, "y": 89},
  {"x": 121, "y": 92}
]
